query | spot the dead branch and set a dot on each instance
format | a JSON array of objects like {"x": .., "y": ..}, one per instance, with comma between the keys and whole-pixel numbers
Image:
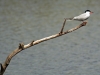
[{"x": 23, "y": 47}]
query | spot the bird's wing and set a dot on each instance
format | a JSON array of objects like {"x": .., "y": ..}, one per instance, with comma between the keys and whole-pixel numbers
[{"x": 82, "y": 16}]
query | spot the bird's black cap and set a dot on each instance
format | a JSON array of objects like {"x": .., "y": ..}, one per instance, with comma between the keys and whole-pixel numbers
[{"x": 87, "y": 11}]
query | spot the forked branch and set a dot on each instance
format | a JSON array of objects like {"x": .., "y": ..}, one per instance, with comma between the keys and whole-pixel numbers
[{"x": 23, "y": 47}]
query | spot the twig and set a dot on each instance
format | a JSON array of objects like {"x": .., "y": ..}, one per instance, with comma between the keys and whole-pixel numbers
[
  {"x": 31, "y": 44},
  {"x": 62, "y": 27},
  {"x": 23, "y": 47}
]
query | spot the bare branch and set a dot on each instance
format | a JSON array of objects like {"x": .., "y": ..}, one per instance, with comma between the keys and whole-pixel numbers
[{"x": 23, "y": 47}]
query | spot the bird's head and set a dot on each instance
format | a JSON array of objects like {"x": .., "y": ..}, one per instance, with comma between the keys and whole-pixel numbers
[{"x": 88, "y": 11}]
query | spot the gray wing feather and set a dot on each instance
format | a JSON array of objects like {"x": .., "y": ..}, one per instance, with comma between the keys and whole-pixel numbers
[{"x": 80, "y": 17}]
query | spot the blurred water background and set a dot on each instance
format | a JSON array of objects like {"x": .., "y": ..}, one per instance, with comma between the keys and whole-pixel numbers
[{"x": 77, "y": 53}]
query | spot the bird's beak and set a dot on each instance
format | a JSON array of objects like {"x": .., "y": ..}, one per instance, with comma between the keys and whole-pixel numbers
[{"x": 91, "y": 12}]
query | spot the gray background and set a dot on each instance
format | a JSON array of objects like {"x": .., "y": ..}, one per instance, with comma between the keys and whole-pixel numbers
[{"x": 77, "y": 53}]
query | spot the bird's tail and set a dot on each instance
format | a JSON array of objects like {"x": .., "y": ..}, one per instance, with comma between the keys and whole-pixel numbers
[{"x": 69, "y": 19}]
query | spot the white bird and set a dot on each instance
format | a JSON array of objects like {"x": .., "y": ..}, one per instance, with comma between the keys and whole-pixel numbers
[{"x": 81, "y": 17}]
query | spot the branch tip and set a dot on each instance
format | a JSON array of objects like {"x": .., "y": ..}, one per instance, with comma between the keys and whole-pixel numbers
[
  {"x": 32, "y": 43},
  {"x": 84, "y": 23}
]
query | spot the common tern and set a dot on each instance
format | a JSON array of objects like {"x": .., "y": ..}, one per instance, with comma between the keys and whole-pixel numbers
[{"x": 81, "y": 17}]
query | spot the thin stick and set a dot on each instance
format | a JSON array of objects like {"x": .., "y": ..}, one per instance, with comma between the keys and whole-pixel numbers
[{"x": 63, "y": 27}]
